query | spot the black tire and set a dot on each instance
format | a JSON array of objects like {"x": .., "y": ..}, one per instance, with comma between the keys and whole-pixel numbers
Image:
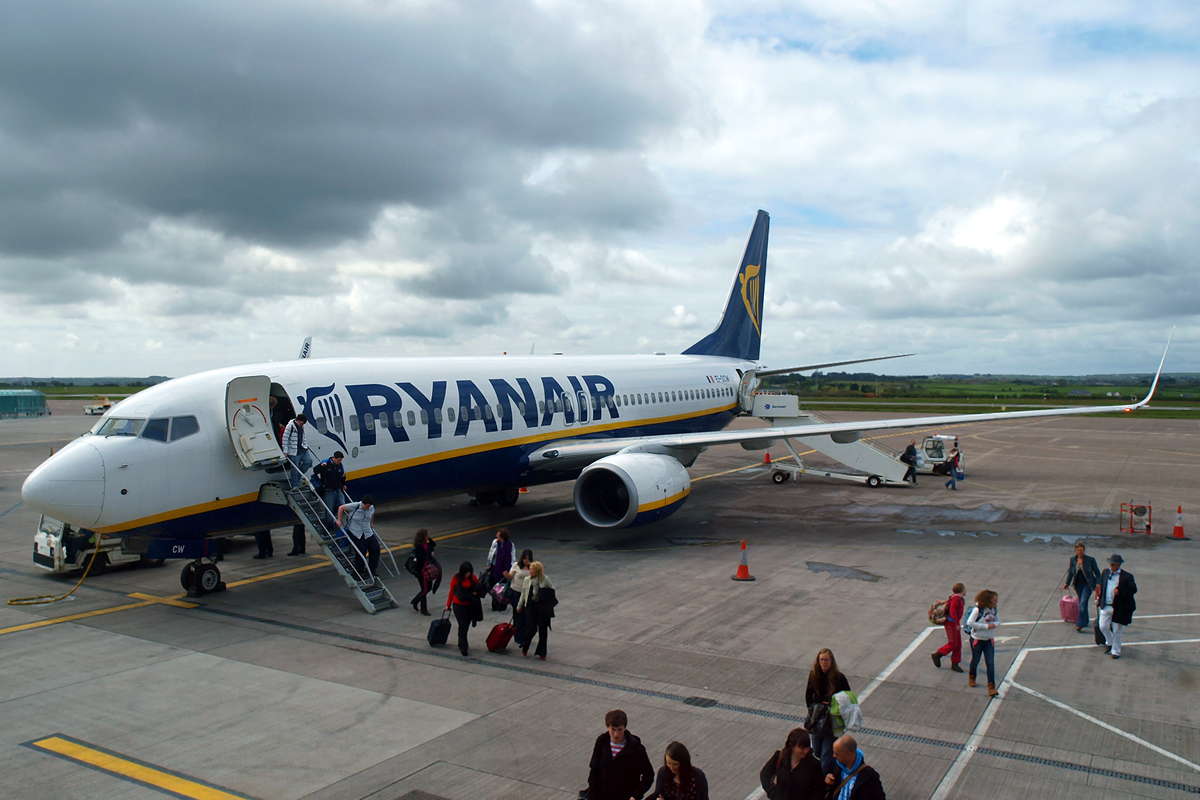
[
  {"x": 874, "y": 481},
  {"x": 151, "y": 562},
  {"x": 185, "y": 576},
  {"x": 508, "y": 497},
  {"x": 208, "y": 578},
  {"x": 98, "y": 567},
  {"x": 485, "y": 498},
  {"x": 779, "y": 477}
]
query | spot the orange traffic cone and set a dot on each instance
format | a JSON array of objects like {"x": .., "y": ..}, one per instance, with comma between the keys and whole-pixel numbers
[
  {"x": 743, "y": 573},
  {"x": 767, "y": 457},
  {"x": 523, "y": 490},
  {"x": 1178, "y": 532}
]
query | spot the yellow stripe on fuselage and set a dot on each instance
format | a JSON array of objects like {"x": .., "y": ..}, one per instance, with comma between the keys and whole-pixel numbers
[{"x": 430, "y": 458}]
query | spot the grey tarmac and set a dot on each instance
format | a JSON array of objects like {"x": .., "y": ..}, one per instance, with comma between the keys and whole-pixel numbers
[{"x": 282, "y": 687}]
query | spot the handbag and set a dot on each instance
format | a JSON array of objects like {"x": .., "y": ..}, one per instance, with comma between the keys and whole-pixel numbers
[
  {"x": 410, "y": 564},
  {"x": 959, "y": 475}
]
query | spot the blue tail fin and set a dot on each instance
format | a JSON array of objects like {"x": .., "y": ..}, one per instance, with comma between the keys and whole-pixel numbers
[{"x": 739, "y": 333}]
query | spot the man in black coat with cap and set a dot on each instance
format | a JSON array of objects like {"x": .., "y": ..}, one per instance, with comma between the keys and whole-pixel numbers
[
  {"x": 620, "y": 769},
  {"x": 1114, "y": 601}
]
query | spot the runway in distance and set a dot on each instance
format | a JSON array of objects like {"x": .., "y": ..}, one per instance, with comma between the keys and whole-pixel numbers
[{"x": 187, "y": 460}]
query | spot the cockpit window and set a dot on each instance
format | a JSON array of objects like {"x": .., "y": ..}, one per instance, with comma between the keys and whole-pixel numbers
[
  {"x": 183, "y": 426},
  {"x": 120, "y": 426},
  {"x": 156, "y": 429}
]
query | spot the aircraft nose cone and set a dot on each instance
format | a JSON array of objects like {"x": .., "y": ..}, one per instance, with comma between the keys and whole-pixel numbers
[{"x": 68, "y": 486}]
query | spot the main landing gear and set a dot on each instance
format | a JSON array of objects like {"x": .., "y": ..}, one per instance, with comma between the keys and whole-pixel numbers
[
  {"x": 201, "y": 577},
  {"x": 505, "y": 498}
]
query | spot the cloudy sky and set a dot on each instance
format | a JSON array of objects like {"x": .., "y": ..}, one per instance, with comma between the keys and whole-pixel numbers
[{"x": 1000, "y": 186}]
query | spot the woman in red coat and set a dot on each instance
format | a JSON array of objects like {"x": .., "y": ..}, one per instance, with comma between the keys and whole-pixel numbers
[
  {"x": 465, "y": 591},
  {"x": 954, "y": 619}
]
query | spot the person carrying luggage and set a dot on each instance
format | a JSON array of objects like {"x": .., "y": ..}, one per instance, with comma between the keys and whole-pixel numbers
[
  {"x": 537, "y": 602},
  {"x": 501, "y": 559},
  {"x": 426, "y": 571},
  {"x": 824, "y": 681},
  {"x": 982, "y": 624},
  {"x": 465, "y": 591},
  {"x": 1083, "y": 574},
  {"x": 954, "y": 619}
]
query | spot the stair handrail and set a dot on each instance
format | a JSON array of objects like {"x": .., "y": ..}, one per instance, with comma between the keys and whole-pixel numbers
[
  {"x": 394, "y": 570},
  {"x": 332, "y": 534}
]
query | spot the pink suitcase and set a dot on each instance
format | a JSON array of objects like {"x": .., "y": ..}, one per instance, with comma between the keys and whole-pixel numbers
[{"x": 1069, "y": 608}]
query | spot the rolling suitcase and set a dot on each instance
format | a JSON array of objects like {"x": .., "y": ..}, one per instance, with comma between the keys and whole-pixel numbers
[
  {"x": 1099, "y": 636},
  {"x": 439, "y": 630},
  {"x": 1069, "y": 608},
  {"x": 499, "y": 637}
]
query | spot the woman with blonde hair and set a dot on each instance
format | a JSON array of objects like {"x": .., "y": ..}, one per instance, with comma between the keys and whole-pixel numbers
[
  {"x": 537, "y": 603},
  {"x": 982, "y": 624}
]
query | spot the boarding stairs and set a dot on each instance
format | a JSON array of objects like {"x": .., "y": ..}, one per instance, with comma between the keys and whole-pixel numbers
[
  {"x": 319, "y": 522},
  {"x": 871, "y": 463}
]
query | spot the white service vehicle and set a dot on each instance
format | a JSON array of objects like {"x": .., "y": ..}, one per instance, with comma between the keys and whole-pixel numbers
[
  {"x": 60, "y": 547},
  {"x": 98, "y": 407},
  {"x": 935, "y": 450}
]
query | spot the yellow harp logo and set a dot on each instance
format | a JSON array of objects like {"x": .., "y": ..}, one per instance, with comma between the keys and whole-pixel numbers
[{"x": 750, "y": 294}]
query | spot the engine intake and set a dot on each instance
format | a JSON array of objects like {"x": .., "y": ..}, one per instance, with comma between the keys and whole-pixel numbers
[{"x": 631, "y": 489}]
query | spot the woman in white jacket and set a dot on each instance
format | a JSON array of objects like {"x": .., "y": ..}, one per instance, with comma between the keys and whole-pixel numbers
[{"x": 982, "y": 626}]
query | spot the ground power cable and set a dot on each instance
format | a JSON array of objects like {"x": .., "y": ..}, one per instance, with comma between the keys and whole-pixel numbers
[{"x": 45, "y": 599}]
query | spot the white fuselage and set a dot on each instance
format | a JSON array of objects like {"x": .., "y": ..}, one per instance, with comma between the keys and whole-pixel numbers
[{"x": 409, "y": 427}]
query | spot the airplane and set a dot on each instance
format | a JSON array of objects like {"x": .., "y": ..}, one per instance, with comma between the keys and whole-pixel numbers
[{"x": 183, "y": 463}]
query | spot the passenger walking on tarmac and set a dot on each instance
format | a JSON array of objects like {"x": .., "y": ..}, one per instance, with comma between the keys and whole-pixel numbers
[
  {"x": 955, "y": 607},
  {"x": 953, "y": 462},
  {"x": 1083, "y": 574},
  {"x": 465, "y": 591},
  {"x": 516, "y": 578},
  {"x": 982, "y": 624},
  {"x": 851, "y": 779},
  {"x": 1114, "y": 603},
  {"x": 357, "y": 520},
  {"x": 428, "y": 574},
  {"x": 296, "y": 450},
  {"x": 677, "y": 778},
  {"x": 501, "y": 558},
  {"x": 909, "y": 457},
  {"x": 793, "y": 773},
  {"x": 620, "y": 768},
  {"x": 824, "y": 681},
  {"x": 538, "y": 599}
]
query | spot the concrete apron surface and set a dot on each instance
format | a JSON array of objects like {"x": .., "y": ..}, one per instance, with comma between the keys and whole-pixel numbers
[{"x": 283, "y": 687}]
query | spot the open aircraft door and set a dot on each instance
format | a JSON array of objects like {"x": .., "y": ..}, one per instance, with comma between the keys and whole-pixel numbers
[{"x": 248, "y": 416}]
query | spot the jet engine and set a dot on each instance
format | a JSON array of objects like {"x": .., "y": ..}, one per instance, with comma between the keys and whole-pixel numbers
[{"x": 631, "y": 489}]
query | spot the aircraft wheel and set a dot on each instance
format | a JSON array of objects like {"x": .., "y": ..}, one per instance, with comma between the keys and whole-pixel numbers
[
  {"x": 209, "y": 578},
  {"x": 485, "y": 498},
  {"x": 98, "y": 566},
  {"x": 874, "y": 481},
  {"x": 508, "y": 498},
  {"x": 185, "y": 577},
  {"x": 779, "y": 477}
]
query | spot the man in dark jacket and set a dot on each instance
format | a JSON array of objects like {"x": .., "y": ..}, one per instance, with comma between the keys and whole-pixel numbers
[
  {"x": 620, "y": 769},
  {"x": 909, "y": 457},
  {"x": 1114, "y": 600},
  {"x": 851, "y": 779},
  {"x": 1083, "y": 573}
]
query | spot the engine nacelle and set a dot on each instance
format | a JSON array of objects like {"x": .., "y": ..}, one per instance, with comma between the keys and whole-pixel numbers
[{"x": 631, "y": 489}]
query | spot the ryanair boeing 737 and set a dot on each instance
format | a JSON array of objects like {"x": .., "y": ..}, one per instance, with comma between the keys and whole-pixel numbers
[{"x": 177, "y": 465}]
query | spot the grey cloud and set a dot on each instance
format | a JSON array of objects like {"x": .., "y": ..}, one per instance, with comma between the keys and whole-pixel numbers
[{"x": 296, "y": 124}]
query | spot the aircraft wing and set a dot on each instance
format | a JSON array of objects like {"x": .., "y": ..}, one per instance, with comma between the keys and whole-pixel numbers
[{"x": 578, "y": 453}]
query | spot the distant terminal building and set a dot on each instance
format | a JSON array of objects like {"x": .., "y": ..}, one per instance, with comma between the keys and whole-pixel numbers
[{"x": 22, "y": 403}]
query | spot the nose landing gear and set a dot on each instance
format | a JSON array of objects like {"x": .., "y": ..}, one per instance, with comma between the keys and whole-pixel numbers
[{"x": 200, "y": 577}]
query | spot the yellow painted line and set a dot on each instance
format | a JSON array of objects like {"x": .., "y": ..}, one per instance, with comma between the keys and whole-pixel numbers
[
  {"x": 73, "y": 617},
  {"x": 167, "y": 601},
  {"x": 748, "y": 466},
  {"x": 129, "y": 769},
  {"x": 324, "y": 562}
]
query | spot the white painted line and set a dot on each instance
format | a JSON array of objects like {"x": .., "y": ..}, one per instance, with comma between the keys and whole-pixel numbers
[
  {"x": 890, "y": 668},
  {"x": 1108, "y": 727},
  {"x": 757, "y": 794},
  {"x": 1123, "y": 645},
  {"x": 981, "y": 728}
]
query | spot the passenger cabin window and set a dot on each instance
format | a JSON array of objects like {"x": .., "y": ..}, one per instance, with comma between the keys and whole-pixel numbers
[
  {"x": 383, "y": 420},
  {"x": 183, "y": 426},
  {"x": 354, "y": 423},
  {"x": 487, "y": 412},
  {"x": 521, "y": 409},
  {"x": 398, "y": 418},
  {"x": 156, "y": 429},
  {"x": 337, "y": 424},
  {"x": 322, "y": 427},
  {"x": 449, "y": 414},
  {"x": 462, "y": 412},
  {"x": 437, "y": 416},
  {"x": 412, "y": 418},
  {"x": 368, "y": 422},
  {"x": 541, "y": 406},
  {"x": 424, "y": 416}
]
